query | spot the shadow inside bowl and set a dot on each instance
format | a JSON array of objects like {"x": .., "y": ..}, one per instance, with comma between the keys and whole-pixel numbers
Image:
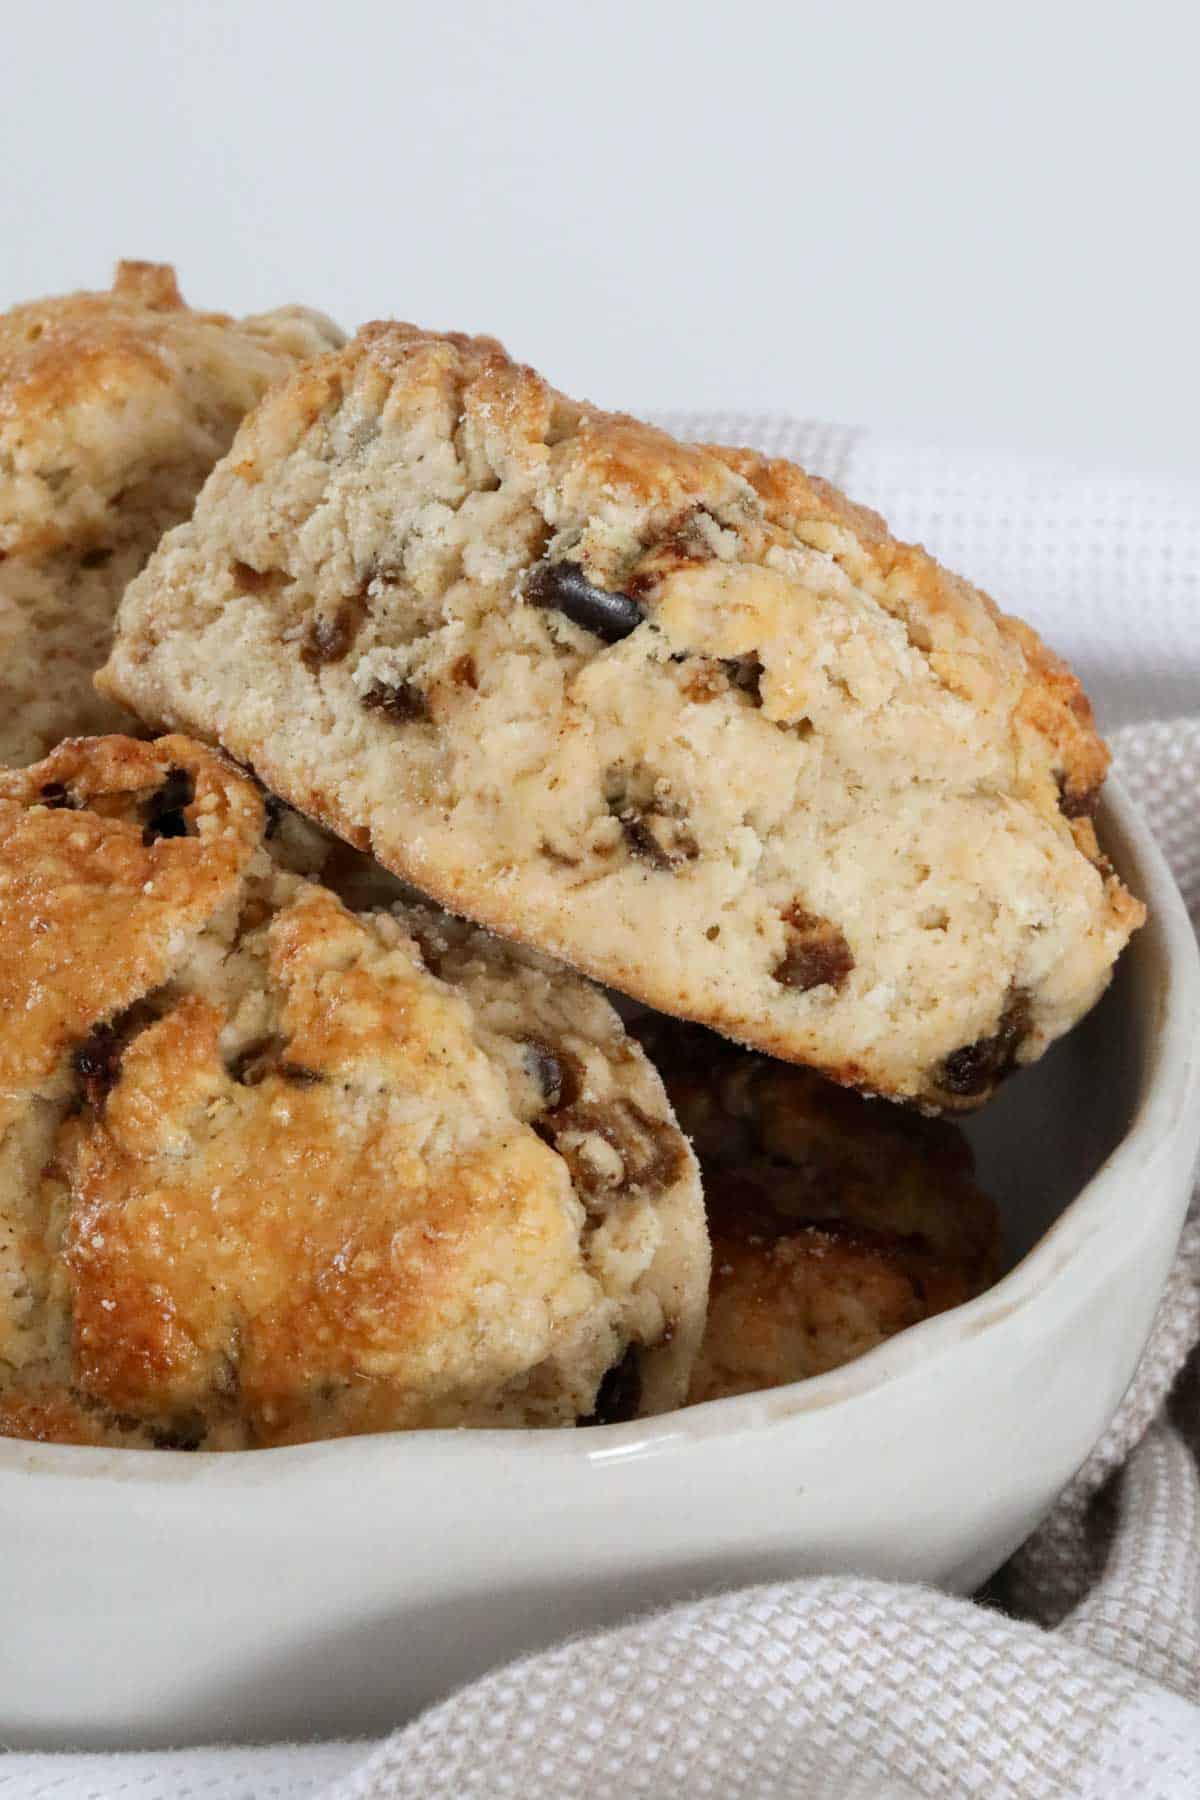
[{"x": 1052, "y": 1127}]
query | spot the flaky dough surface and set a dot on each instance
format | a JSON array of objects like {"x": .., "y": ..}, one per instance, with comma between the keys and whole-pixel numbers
[
  {"x": 114, "y": 406},
  {"x": 679, "y": 715},
  {"x": 273, "y": 1169}
]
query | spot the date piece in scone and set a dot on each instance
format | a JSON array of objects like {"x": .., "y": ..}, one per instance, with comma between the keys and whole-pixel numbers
[
  {"x": 835, "y": 1221},
  {"x": 272, "y": 1169},
  {"x": 681, "y": 716},
  {"x": 113, "y": 409}
]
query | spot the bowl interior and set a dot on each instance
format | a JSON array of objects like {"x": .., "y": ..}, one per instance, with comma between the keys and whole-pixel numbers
[{"x": 1050, "y": 1129}]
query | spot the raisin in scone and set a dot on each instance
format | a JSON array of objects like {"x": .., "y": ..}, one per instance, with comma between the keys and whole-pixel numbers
[
  {"x": 835, "y": 1221},
  {"x": 272, "y": 1169},
  {"x": 681, "y": 716},
  {"x": 113, "y": 409}
]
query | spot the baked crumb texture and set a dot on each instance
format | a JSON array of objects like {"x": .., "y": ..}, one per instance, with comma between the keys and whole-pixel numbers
[
  {"x": 275, "y": 1169},
  {"x": 681, "y": 716},
  {"x": 113, "y": 409},
  {"x": 835, "y": 1221}
]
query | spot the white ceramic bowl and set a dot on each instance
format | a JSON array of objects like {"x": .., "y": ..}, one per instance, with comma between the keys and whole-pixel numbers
[{"x": 161, "y": 1598}]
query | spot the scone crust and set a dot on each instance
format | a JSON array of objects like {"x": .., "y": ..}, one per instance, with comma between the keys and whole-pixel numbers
[
  {"x": 114, "y": 406},
  {"x": 104, "y": 393},
  {"x": 835, "y": 1221},
  {"x": 785, "y": 775},
  {"x": 273, "y": 1169}
]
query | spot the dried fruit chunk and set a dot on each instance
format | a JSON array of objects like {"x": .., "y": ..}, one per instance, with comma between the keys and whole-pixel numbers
[
  {"x": 563, "y": 587},
  {"x": 817, "y": 954}
]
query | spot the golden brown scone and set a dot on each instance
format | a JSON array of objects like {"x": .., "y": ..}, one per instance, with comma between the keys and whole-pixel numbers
[
  {"x": 43, "y": 1412},
  {"x": 113, "y": 409},
  {"x": 835, "y": 1221},
  {"x": 681, "y": 716},
  {"x": 273, "y": 1169}
]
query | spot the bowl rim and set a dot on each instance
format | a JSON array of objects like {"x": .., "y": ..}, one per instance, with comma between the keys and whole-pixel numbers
[{"x": 1166, "y": 1114}]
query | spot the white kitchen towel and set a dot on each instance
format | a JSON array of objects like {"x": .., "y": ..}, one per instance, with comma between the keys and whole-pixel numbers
[{"x": 1080, "y": 1675}]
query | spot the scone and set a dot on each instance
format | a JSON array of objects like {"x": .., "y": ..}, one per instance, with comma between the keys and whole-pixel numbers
[
  {"x": 113, "y": 409},
  {"x": 681, "y": 716},
  {"x": 835, "y": 1221},
  {"x": 273, "y": 1170}
]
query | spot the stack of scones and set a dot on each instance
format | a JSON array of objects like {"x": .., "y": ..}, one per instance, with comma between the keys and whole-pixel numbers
[{"x": 364, "y": 706}]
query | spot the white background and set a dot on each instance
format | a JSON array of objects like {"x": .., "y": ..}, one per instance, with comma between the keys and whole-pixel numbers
[{"x": 974, "y": 223}]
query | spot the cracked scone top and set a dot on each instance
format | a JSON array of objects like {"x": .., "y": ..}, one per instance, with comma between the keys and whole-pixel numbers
[
  {"x": 273, "y": 1170},
  {"x": 682, "y": 716},
  {"x": 113, "y": 408}
]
